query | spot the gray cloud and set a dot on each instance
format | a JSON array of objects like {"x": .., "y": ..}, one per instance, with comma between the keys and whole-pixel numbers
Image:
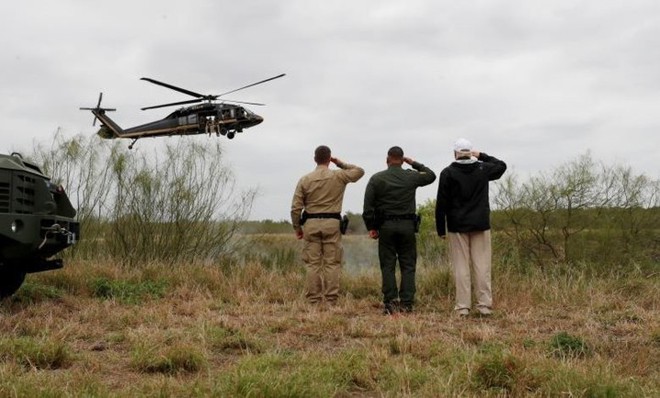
[{"x": 536, "y": 83}]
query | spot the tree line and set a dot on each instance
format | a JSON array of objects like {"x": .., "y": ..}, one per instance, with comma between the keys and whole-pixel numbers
[{"x": 183, "y": 205}]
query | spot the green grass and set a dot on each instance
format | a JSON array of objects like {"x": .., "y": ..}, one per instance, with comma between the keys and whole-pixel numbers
[
  {"x": 198, "y": 330},
  {"x": 564, "y": 345},
  {"x": 157, "y": 358},
  {"x": 35, "y": 352},
  {"x": 31, "y": 293},
  {"x": 127, "y": 291}
]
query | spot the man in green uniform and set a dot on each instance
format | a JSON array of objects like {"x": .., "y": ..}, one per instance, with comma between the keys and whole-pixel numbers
[
  {"x": 390, "y": 216},
  {"x": 320, "y": 194}
]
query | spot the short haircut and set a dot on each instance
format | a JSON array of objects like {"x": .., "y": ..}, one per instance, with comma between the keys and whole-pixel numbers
[
  {"x": 322, "y": 154},
  {"x": 395, "y": 152}
]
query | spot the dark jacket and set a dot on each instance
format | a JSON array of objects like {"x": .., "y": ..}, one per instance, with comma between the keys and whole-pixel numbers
[
  {"x": 462, "y": 199},
  {"x": 391, "y": 192}
]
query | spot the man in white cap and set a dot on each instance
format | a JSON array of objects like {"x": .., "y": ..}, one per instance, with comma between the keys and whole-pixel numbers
[{"x": 462, "y": 209}]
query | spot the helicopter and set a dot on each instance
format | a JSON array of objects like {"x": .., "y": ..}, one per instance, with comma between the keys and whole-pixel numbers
[{"x": 225, "y": 118}]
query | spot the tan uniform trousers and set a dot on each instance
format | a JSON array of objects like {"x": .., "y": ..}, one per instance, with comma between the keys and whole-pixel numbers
[
  {"x": 322, "y": 254},
  {"x": 472, "y": 250}
]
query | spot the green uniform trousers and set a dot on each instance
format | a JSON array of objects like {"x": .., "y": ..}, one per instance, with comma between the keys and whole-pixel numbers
[{"x": 397, "y": 241}]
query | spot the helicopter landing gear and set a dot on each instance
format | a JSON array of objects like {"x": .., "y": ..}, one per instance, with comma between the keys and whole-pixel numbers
[
  {"x": 231, "y": 135},
  {"x": 132, "y": 143}
]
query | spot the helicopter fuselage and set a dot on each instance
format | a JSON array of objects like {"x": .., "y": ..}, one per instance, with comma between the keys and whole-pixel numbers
[{"x": 207, "y": 118}]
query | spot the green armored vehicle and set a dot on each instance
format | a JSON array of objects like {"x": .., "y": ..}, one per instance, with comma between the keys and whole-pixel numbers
[{"x": 36, "y": 222}]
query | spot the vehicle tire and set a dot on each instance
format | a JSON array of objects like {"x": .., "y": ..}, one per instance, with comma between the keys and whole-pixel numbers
[
  {"x": 10, "y": 281},
  {"x": 231, "y": 135}
]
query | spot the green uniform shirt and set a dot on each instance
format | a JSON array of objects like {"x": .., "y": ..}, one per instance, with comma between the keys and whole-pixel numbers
[{"x": 392, "y": 191}]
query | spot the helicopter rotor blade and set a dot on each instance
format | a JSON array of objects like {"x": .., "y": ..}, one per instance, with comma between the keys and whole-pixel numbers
[
  {"x": 175, "y": 88},
  {"x": 244, "y": 102},
  {"x": 251, "y": 85},
  {"x": 202, "y": 97},
  {"x": 173, "y": 104},
  {"x": 98, "y": 106},
  {"x": 98, "y": 109}
]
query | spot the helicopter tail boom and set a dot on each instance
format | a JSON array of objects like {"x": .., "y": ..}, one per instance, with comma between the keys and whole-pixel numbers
[{"x": 109, "y": 129}]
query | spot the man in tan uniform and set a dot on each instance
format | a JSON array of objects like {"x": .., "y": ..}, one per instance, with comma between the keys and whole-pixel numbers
[{"x": 320, "y": 194}]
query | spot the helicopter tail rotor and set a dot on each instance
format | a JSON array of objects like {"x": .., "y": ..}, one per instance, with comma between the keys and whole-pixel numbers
[{"x": 98, "y": 110}]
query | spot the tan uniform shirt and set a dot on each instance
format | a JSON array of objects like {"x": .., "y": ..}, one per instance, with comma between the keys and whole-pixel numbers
[{"x": 322, "y": 190}]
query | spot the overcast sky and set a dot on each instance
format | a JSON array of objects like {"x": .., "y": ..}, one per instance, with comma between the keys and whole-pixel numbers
[{"x": 535, "y": 83}]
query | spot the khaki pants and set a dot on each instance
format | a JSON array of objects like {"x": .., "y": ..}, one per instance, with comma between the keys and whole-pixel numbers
[
  {"x": 322, "y": 254},
  {"x": 472, "y": 250}
]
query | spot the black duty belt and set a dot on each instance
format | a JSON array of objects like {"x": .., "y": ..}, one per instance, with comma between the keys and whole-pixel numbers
[
  {"x": 394, "y": 217},
  {"x": 336, "y": 216}
]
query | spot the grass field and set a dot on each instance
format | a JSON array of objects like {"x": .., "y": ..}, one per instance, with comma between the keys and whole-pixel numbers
[{"x": 244, "y": 329}]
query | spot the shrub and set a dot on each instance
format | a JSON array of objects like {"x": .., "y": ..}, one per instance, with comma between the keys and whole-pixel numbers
[
  {"x": 36, "y": 353},
  {"x": 126, "y": 291},
  {"x": 497, "y": 371},
  {"x": 139, "y": 207},
  {"x": 565, "y": 346},
  {"x": 228, "y": 340},
  {"x": 171, "y": 360},
  {"x": 32, "y": 292},
  {"x": 581, "y": 211}
]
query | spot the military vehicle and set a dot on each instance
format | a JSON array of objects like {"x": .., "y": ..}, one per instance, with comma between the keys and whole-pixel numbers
[{"x": 36, "y": 222}]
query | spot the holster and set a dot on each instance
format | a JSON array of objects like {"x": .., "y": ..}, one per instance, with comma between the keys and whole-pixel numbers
[
  {"x": 343, "y": 224},
  {"x": 303, "y": 217},
  {"x": 418, "y": 222}
]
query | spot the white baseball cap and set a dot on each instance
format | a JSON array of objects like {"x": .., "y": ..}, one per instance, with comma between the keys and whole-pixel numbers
[{"x": 462, "y": 145}]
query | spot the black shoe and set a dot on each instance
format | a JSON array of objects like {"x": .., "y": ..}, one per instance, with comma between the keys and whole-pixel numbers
[
  {"x": 390, "y": 309},
  {"x": 407, "y": 308}
]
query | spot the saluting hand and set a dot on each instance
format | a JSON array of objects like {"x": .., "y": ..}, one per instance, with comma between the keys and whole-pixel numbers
[
  {"x": 408, "y": 160},
  {"x": 336, "y": 161}
]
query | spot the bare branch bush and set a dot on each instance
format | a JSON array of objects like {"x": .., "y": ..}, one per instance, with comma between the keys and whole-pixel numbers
[
  {"x": 79, "y": 164},
  {"x": 183, "y": 207},
  {"x": 582, "y": 211},
  {"x": 631, "y": 197}
]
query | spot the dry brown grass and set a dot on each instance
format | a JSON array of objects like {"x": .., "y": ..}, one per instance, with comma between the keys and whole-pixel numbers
[{"x": 209, "y": 330}]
